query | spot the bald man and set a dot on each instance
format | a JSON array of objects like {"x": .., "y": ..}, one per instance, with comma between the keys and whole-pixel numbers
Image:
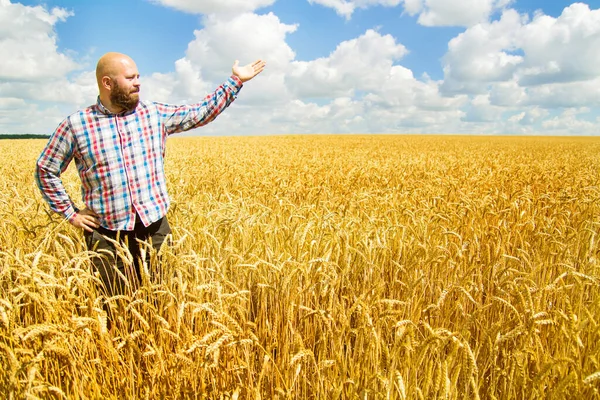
[{"x": 118, "y": 145}]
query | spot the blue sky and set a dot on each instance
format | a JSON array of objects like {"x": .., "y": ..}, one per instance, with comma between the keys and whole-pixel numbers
[{"x": 334, "y": 66}]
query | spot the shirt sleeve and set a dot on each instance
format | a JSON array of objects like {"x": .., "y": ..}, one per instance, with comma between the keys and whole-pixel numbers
[
  {"x": 186, "y": 117},
  {"x": 53, "y": 161}
]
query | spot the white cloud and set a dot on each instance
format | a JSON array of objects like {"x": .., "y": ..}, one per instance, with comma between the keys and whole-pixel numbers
[
  {"x": 530, "y": 116},
  {"x": 78, "y": 91},
  {"x": 454, "y": 13},
  {"x": 336, "y": 117},
  {"x": 210, "y": 56},
  {"x": 208, "y": 61},
  {"x": 413, "y": 7},
  {"x": 343, "y": 8},
  {"x": 480, "y": 110},
  {"x": 431, "y": 12},
  {"x": 569, "y": 123},
  {"x": 360, "y": 86},
  {"x": 568, "y": 94},
  {"x": 215, "y": 6},
  {"x": 482, "y": 55},
  {"x": 30, "y": 118},
  {"x": 33, "y": 73},
  {"x": 361, "y": 64},
  {"x": 507, "y": 94},
  {"x": 11, "y": 103},
  {"x": 185, "y": 85},
  {"x": 245, "y": 37},
  {"x": 548, "y": 62},
  {"x": 346, "y": 8},
  {"x": 28, "y": 47},
  {"x": 563, "y": 49}
]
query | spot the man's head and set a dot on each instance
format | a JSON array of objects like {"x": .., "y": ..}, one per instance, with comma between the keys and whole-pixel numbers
[{"x": 118, "y": 82}]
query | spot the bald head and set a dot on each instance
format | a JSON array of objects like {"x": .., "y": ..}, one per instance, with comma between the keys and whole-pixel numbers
[
  {"x": 118, "y": 82},
  {"x": 112, "y": 64}
]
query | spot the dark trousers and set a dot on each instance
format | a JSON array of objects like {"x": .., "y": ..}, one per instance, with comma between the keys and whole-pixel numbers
[{"x": 119, "y": 273}]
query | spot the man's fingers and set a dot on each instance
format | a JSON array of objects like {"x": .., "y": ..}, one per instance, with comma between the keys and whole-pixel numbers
[
  {"x": 87, "y": 228},
  {"x": 86, "y": 220},
  {"x": 259, "y": 65},
  {"x": 93, "y": 222},
  {"x": 89, "y": 225}
]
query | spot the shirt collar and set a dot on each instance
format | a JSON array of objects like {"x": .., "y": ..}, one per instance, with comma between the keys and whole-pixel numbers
[{"x": 101, "y": 107}]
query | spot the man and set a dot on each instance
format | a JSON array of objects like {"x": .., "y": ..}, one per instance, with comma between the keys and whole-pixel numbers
[{"x": 118, "y": 145}]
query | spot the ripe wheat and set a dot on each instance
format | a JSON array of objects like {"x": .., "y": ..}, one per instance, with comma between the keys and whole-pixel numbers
[{"x": 397, "y": 267}]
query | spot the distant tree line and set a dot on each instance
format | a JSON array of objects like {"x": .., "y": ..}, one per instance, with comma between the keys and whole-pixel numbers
[{"x": 22, "y": 136}]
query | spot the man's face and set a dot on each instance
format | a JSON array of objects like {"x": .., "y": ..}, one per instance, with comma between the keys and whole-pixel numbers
[
  {"x": 126, "y": 88},
  {"x": 124, "y": 96}
]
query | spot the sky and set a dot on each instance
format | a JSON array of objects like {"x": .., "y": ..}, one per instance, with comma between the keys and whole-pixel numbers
[{"x": 481, "y": 67}]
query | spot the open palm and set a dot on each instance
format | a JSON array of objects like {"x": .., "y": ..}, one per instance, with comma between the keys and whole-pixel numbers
[{"x": 247, "y": 72}]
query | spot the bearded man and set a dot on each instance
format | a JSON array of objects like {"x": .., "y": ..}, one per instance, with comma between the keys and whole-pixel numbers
[{"x": 118, "y": 145}]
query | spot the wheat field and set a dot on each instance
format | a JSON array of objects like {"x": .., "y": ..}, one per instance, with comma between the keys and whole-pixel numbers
[{"x": 320, "y": 267}]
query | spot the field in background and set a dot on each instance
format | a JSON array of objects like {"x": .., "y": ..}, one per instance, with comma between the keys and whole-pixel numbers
[{"x": 399, "y": 267}]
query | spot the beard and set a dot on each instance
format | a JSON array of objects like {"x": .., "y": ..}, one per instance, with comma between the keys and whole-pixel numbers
[{"x": 127, "y": 99}]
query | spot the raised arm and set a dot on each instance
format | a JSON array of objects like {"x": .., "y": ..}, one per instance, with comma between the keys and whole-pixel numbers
[{"x": 186, "y": 117}]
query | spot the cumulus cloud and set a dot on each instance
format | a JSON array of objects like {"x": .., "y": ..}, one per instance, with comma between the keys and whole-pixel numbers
[
  {"x": 480, "y": 110},
  {"x": 430, "y": 12},
  {"x": 413, "y": 7},
  {"x": 184, "y": 85},
  {"x": 570, "y": 123},
  {"x": 483, "y": 54},
  {"x": 500, "y": 74},
  {"x": 530, "y": 116},
  {"x": 359, "y": 87},
  {"x": 454, "y": 13},
  {"x": 20, "y": 116},
  {"x": 245, "y": 36},
  {"x": 563, "y": 49},
  {"x": 342, "y": 7},
  {"x": 32, "y": 69},
  {"x": 507, "y": 94},
  {"x": 36, "y": 79},
  {"x": 338, "y": 116},
  {"x": 565, "y": 95},
  {"x": 361, "y": 64},
  {"x": 28, "y": 43},
  {"x": 346, "y": 8},
  {"x": 215, "y": 6},
  {"x": 208, "y": 61},
  {"x": 78, "y": 91},
  {"x": 546, "y": 61}
]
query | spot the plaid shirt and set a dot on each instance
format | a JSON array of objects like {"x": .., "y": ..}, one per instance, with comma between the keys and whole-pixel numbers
[{"x": 120, "y": 157}]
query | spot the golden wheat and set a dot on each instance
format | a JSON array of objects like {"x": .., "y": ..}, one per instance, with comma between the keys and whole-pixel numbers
[{"x": 397, "y": 267}]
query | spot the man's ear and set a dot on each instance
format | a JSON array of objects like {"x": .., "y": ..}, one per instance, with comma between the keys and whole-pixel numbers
[{"x": 107, "y": 82}]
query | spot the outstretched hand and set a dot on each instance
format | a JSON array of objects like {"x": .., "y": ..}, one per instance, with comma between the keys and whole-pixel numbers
[{"x": 249, "y": 71}]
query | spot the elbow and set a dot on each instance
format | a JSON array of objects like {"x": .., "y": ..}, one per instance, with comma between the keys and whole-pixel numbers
[
  {"x": 37, "y": 172},
  {"x": 41, "y": 173}
]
